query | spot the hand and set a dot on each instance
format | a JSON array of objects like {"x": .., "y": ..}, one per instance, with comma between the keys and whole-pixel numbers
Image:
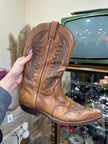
[
  {"x": 17, "y": 69},
  {"x": 14, "y": 77}
]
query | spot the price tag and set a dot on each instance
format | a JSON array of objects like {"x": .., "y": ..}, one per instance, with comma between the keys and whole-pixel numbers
[{"x": 10, "y": 118}]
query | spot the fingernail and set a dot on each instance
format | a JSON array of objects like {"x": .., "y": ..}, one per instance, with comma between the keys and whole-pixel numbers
[{"x": 30, "y": 51}]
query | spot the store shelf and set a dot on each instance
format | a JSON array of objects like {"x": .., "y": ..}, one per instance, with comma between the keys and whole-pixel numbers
[{"x": 88, "y": 68}]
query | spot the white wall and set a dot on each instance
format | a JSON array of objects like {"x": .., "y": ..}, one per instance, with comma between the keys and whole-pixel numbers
[
  {"x": 14, "y": 14},
  {"x": 39, "y": 11},
  {"x": 12, "y": 19}
]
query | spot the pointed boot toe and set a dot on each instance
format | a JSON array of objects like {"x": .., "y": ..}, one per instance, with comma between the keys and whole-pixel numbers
[{"x": 75, "y": 116}]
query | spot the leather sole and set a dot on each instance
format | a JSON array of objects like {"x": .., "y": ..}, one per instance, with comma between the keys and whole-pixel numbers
[{"x": 36, "y": 112}]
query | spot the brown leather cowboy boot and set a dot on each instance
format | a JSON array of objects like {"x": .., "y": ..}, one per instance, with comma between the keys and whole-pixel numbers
[{"x": 52, "y": 46}]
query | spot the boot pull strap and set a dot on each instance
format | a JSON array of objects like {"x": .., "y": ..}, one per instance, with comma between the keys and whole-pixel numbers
[{"x": 52, "y": 31}]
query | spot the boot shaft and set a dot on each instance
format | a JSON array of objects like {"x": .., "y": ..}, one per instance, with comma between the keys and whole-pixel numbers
[{"x": 51, "y": 51}]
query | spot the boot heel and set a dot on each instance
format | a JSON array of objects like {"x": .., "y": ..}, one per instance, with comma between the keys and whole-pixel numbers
[{"x": 29, "y": 110}]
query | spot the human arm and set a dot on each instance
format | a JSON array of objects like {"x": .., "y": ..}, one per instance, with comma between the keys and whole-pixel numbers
[
  {"x": 5, "y": 101},
  {"x": 10, "y": 82}
]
